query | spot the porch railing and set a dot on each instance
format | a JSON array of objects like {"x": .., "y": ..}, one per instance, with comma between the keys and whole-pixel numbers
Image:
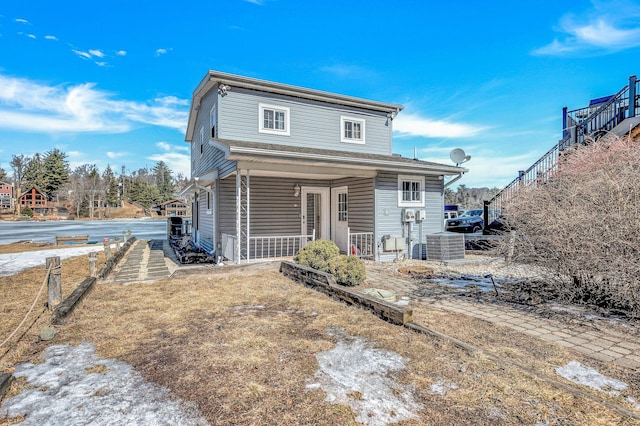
[
  {"x": 361, "y": 244},
  {"x": 272, "y": 247}
]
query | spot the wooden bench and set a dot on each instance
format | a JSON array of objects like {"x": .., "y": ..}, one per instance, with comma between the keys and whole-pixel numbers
[{"x": 71, "y": 239}]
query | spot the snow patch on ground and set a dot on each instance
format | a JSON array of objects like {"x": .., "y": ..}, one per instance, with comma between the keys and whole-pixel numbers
[
  {"x": 441, "y": 387},
  {"x": 358, "y": 375},
  {"x": 75, "y": 387},
  {"x": 587, "y": 376},
  {"x": 13, "y": 263}
]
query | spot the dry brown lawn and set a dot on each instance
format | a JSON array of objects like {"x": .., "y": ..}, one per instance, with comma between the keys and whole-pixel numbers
[{"x": 241, "y": 344}]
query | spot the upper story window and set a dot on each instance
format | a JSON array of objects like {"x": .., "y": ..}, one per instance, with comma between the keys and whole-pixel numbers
[
  {"x": 214, "y": 121},
  {"x": 201, "y": 141},
  {"x": 352, "y": 130},
  {"x": 411, "y": 191},
  {"x": 274, "y": 120}
]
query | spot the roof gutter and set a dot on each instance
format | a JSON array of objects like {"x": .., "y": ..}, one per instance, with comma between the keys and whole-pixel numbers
[
  {"x": 455, "y": 179},
  {"x": 392, "y": 165}
]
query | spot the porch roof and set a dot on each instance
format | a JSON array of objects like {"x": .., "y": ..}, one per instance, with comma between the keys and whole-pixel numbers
[{"x": 265, "y": 154}]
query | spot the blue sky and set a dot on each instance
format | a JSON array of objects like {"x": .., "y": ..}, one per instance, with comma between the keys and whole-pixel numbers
[{"x": 110, "y": 82}]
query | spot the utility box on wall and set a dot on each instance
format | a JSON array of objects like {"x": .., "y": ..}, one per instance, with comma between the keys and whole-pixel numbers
[{"x": 445, "y": 246}]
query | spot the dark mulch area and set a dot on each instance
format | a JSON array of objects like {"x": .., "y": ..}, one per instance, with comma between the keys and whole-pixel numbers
[{"x": 532, "y": 296}]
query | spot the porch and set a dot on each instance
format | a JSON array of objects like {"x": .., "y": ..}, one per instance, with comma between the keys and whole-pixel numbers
[{"x": 275, "y": 217}]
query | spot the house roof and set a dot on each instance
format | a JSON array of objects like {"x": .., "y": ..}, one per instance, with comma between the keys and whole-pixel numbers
[
  {"x": 31, "y": 188},
  {"x": 173, "y": 201},
  {"x": 213, "y": 78},
  {"x": 257, "y": 152}
]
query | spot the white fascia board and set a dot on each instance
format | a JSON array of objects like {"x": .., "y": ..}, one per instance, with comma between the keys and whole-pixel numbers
[{"x": 388, "y": 165}]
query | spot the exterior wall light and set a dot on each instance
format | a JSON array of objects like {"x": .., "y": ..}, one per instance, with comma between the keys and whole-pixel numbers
[{"x": 296, "y": 191}]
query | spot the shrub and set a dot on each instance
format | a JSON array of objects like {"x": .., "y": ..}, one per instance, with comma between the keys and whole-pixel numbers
[
  {"x": 323, "y": 255},
  {"x": 582, "y": 226},
  {"x": 26, "y": 212},
  {"x": 317, "y": 254},
  {"x": 348, "y": 270}
]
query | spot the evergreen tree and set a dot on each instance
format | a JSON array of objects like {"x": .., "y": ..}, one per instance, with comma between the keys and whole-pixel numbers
[
  {"x": 34, "y": 174},
  {"x": 111, "y": 184},
  {"x": 56, "y": 171},
  {"x": 3, "y": 174},
  {"x": 164, "y": 181}
]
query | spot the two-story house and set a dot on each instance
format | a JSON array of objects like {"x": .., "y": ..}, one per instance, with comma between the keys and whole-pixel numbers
[
  {"x": 274, "y": 166},
  {"x": 36, "y": 200},
  {"x": 6, "y": 196}
]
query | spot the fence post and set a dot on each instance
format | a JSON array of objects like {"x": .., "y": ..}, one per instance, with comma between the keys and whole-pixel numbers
[
  {"x": 107, "y": 249},
  {"x": 128, "y": 234},
  {"x": 93, "y": 264},
  {"x": 54, "y": 282},
  {"x": 632, "y": 96},
  {"x": 117, "y": 243},
  {"x": 124, "y": 236}
]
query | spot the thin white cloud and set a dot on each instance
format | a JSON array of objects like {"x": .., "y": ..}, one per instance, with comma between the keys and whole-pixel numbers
[
  {"x": 605, "y": 28},
  {"x": 22, "y": 21},
  {"x": 177, "y": 158},
  {"x": 32, "y": 107},
  {"x": 115, "y": 155},
  {"x": 416, "y": 125},
  {"x": 258, "y": 2},
  {"x": 121, "y": 53},
  {"x": 97, "y": 53},
  {"x": 80, "y": 53},
  {"x": 160, "y": 52},
  {"x": 31, "y": 36},
  {"x": 348, "y": 71},
  {"x": 51, "y": 37}
]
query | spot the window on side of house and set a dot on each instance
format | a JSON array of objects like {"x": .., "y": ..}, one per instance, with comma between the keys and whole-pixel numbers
[
  {"x": 201, "y": 141},
  {"x": 411, "y": 191},
  {"x": 343, "y": 212},
  {"x": 274, "y": 119},
  {"x": 352, "y": 130},
  {"x": 214, "y": 121}
]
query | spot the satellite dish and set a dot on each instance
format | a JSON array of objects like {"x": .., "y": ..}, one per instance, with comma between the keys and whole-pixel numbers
[{"x": 458, "y": 156}]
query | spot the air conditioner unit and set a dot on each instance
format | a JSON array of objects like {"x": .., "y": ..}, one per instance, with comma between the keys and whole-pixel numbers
[{"x": 445, "y": 246}]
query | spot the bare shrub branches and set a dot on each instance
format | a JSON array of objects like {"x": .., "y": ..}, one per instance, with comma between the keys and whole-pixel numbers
[{"x": 583, "y": 226}]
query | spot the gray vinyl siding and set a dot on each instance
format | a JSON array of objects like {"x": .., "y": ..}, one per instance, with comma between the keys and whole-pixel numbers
[
  {"x": 360, "y": 203},
  {"x": 312, "y": 124},
  {"x": 206, "y": 222},
  {"x": 211, "y": 158},
  {"x": 389, "y": 215},
  {"x": 227, "y": 205}
]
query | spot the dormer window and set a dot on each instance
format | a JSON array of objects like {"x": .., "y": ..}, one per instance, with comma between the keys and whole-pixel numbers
[
  {"x": 352, "y": 130},
  {"x": 274, "y": 120}
]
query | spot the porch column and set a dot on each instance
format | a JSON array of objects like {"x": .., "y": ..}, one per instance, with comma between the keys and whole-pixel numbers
[
  {"x": 238, "y": 220},
  {"x": 247, "y": 212}
]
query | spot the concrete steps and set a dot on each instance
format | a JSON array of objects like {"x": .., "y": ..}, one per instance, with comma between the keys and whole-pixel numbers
[{"x": 144, "y": 262}]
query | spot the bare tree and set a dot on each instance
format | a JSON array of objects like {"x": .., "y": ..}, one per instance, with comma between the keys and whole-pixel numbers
[{"x": 18, "y": 164}]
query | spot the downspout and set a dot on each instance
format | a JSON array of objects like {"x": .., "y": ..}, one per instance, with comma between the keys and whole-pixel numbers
[{"x": 452, "y": 181}]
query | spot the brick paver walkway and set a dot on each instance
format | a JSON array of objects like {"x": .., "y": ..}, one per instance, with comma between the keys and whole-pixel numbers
[{"x": 609, "y": 346}]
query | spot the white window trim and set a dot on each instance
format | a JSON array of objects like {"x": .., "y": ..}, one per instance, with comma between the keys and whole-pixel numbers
[
  {"x": 287, "y": 119},
  {"x": 362, "y": 121},
  {"x": 201, "y": 141},
  {"x": 411, "y": 178}
]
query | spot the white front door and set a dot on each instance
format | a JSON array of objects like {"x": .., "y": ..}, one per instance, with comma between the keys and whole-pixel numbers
[
  {"x": 340, "y": 217},
  {"x": 314, "y": 206}
]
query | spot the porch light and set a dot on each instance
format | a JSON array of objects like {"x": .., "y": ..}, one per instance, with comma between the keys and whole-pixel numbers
[{"x": 296, "y": 190}]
